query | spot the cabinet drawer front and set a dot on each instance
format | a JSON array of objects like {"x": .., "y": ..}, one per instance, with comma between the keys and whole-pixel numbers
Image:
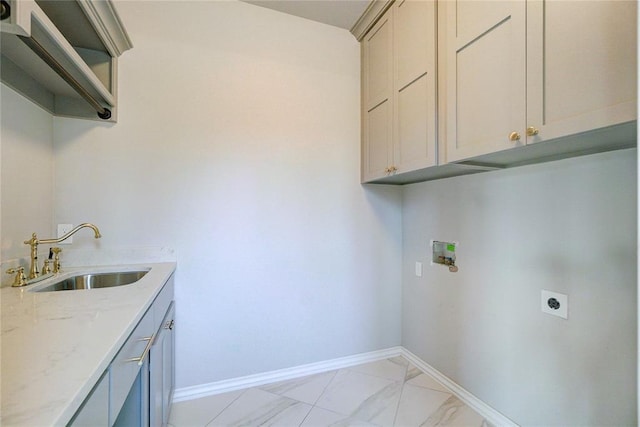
[{"x": 124, "y": 368}]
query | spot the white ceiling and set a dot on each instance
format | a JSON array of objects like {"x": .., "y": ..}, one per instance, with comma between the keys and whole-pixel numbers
[{"x": 339, "y": 13}]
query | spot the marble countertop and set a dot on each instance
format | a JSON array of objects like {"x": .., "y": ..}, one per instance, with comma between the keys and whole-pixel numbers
[{"x": 55, "y": 346}]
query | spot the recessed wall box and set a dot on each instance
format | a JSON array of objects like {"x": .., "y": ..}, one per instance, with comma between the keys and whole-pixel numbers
[{"x": 444, "y": 253}]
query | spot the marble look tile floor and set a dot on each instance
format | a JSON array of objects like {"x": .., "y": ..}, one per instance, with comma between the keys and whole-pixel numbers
[{"x": 390, "y": 392}]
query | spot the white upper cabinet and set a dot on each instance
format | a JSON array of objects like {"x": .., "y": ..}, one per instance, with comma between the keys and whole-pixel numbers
[
  {"x": 62, "y": 55},
  {"x": 522, "y": 72},
  {"x": 398, "y": 85}
]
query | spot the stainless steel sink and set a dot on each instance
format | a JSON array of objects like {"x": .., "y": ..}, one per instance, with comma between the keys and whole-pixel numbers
[{"x": 95, "y": 281}]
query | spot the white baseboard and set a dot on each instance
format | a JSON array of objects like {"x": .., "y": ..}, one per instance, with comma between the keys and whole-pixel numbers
[
  {"x": 202, "y": 390},
  {"x": 491, "y": 415}
]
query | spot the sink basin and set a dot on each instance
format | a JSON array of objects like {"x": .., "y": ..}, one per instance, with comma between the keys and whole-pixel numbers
[{"x": 95, "y": 281}]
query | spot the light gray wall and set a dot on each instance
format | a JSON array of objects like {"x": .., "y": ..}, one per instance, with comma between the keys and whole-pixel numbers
[
  {"x": 237, "y": 144},
  {"x": 568, "y": 226},
  {"x": 26, "y": 205}
]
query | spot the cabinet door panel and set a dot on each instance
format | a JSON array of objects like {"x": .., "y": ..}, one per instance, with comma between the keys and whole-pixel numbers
[
  {"x": 378, "y": 63},
  {"x": 415, "y": 147},
  {"x": 581, "y": 65},
  {"x": 414, "y": 40},
  {"x": 168, "y": 374},
  {"x": 377, "y": 78},
  {"x": 161, "y": 372},
  {"x": 377, "y": 136},
  {"x": 415, "y": 85},
  {"x": 156, "y": 382},
  {"x": 123, "y": 371},
  {"x": 485, "y": 76},
  {"x": 95, "y": 409}
]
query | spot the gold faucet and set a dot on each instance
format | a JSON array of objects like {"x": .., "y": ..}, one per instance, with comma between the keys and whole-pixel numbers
[
  {"x": 34, "y": 242},
  {"x": 19, "y": 279}
]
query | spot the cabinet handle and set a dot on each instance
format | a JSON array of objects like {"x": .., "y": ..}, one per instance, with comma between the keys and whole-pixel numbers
[
  {"x": 531, "y": 131},
  {"x": 169, "y": 325},
  {"x": 514, "y": 136},
  {"x": 144, "y": 354}
]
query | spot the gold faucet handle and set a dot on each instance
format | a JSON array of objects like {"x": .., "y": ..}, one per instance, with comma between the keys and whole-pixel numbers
[
  {"x": 56, "y": 260},
  {"x": 20, "y": 279},
  {"x": 32, "y": 240},
  {"x": 46, "y": 267}
]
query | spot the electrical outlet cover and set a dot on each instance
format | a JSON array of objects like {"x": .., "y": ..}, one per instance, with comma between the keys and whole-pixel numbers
[{"x": 555, "y": 303}]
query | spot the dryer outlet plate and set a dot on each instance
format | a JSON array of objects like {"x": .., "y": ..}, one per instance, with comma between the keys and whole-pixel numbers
[{"x": 555, "y": 303}]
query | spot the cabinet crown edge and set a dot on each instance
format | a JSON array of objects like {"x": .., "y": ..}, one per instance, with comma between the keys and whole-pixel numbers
[{"x": 372, "y": 13}]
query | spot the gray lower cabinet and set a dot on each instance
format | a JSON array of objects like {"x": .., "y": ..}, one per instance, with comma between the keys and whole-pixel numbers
[
  {"x": 162, "y": 371},
  {"x": 137, "y": 389}
]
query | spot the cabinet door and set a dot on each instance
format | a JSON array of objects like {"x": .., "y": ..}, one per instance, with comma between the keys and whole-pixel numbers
[
  {"x": 414, "y": 41},
  {"x": 168, "y": 371},
  {"x": 485, "y": 72},
  {"x": 581, "y": 65},
  {"x": 125, "y": 369},
  {"x": 95, "y": 409},
  {"x": 377, "y": 88},
  {"x": 156, "y": 381},
  {"x": 135, "y": 409},
  {"x": 162, "y": 371}
]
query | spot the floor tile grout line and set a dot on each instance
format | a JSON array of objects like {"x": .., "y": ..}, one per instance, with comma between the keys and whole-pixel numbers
[
  {"x": 324, "y": 391},
  {"x": 258, "y": 389},
  {"x": 306, "y": 416},
  {"x": 371, "y": 375},
  {"x": 311, "y": 405},
  {"x": 432, "y": 389},
  {"x": 350, "y": 368},
  {"x": 448, "y": 391},
  {"x": 226, "y": 407},
  {"x": 325, "y": 387},
  {"x": 404, "y": 382}
]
